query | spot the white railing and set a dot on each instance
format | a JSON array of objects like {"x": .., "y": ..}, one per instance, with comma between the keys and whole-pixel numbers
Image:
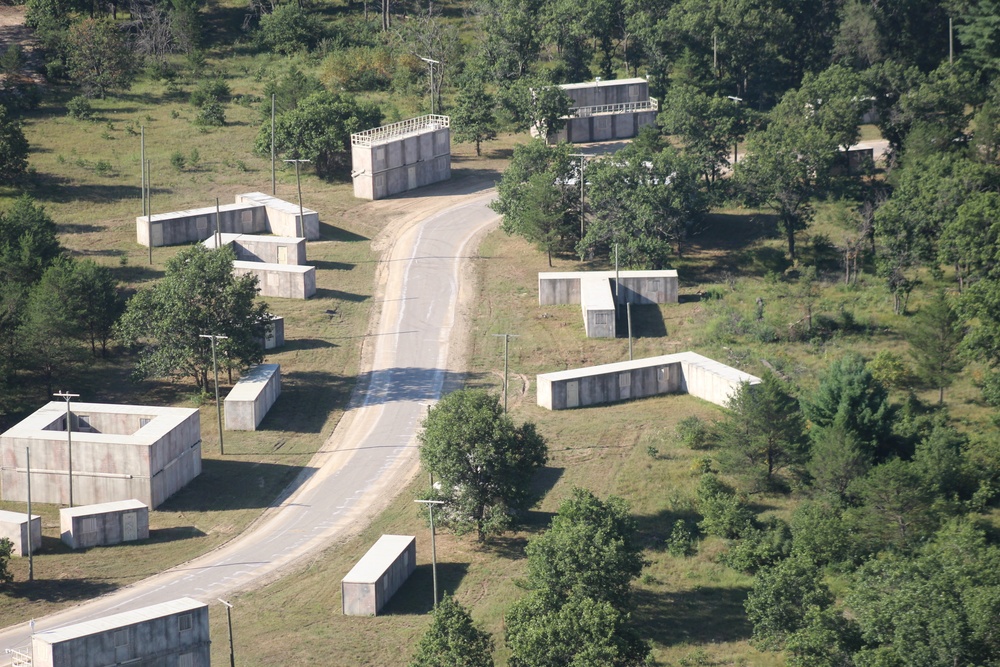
[
  {"x": 20, "y": 657},
  {"x": 582, "y": 112},
  {"x": 403, "y": 127}
]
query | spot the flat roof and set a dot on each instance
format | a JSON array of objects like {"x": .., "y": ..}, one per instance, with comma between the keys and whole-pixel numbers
[
  {"x": 266, "y": 266},
  {"x": 228, "y": 238},
  {"x": 194, "y": 212},
  {"x": 596, "y": 293},
  {"x": 102, "y": 508},
  {"x": 692, "y": 358},
  {"x": 269, "y": 201},
  {"x": 602, "y": 84},
  {"x": 404, "y": 128},
  {"x": 248, "y": 386},
  {"x": 576, "y": 275},
  {"x": 116, "y": 621},
  {"x": 7, "y": 516},
  {"x": 162, "y": 420},
  {"x": 378, "y": 559}
]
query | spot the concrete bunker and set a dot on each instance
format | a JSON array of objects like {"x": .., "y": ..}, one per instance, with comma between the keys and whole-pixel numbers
[
  {"x": 605, "y": 111},
  {"x": 253, "y": 213},
  {"x": 684, "y": 372},
  {"x": 119, "y": 452},
  {"x": 378, "y": 575},
  {"x": 252, "y": 397},
  {"x": 277, "y": 261},
  {"x": 595, "y": 292},
  {"x": 166, "y": 634},
  {"x": 14, "y": 526},
  {"x": 104, "y": 524},
  {"x": 402, "y": 156}
]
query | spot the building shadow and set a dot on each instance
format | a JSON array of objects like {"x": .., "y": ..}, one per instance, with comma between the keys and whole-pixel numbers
[
  {"x": 655, "y": 529},
  {"x": 307, "y": 398},
  {"x": 223, "y": 484},
  {"x": 404, "y": 384},
  {"x": 323, "y": 293},
  {"x": 699, "y": 615},
  {"x": 328, "y": 232},
  {"x": 58, "y": 590},
  {"x": 175, "y": 534},
  {"x": 416, "y": 596},
  {"x": 323, "y": 265}
]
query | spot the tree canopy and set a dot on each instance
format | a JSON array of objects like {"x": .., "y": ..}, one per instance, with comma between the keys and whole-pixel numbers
[{"x": 453, "y": 640}]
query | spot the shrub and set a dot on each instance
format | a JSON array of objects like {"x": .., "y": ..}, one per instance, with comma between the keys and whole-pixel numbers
[
  {"x": 289, "y": 29},
  {"x": 177, "y": 160},
  {"x": 212, "y": 113},
  {"x": 759, "y": 547},
  {"x": 79, "y": 108},
  {"x": 209, "y": 91},
  {"x": 681, "y": 540},
  {"x": 724, "y": 514},
  {"x": 693, "y": 432},
  {"x": 362, "y": 68}
]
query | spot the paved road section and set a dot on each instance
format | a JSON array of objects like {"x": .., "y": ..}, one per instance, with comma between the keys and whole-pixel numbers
[{"x": 370, "y": 454}]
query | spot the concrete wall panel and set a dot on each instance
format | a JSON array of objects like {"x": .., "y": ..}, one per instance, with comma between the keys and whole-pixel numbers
[
  {"x": 280, "y": 280},
  {"x": 14, "y": 526},
  {"x": 252, "y": 397},
  {"x": 88, "y": 526}
]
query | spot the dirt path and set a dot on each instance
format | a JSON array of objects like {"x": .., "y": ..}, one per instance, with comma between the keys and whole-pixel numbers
[{"x": 13, "y": 31}]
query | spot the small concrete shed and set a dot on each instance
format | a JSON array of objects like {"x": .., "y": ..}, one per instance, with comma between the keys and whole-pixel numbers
[
  {"x": 379, "y": 574},
  {"x": 105, "y": 524},
  {"x": 252, "y": 397},
  {"x": 170, "y": 634},
  {"x": 14, "y": 526}
]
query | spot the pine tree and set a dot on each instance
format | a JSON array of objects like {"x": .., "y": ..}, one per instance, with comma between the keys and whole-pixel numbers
[
  {"x": 934, "y": 342},
  {"x": 473, "y": 117}
]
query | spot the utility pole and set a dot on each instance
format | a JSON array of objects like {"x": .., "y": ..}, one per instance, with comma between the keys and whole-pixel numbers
[
  {"x": 273, "y": 182},
  {"x": 432, "y": 63},
  {"x": 506, "y": 343},
  {"x": 628, "y": 310},
  {"x": 218, "y": 225},
  {"x": 142, "y": 164},
  {"x": 229, "y": 617},
  {"x": 617, "y": 281},
  {"x": 736, "y": 144},
  {"x": 69, "y": 439},
  {"x": 951, "y": 42},
  {"x": 583, "y": 163},
  {"x": 149, "y": 211},
  {"x": 434, "y": 567},
  {"x": 215, "y": 367},
  {"x": 31, "y": 552},
  {"x": 298, "y": 184}
]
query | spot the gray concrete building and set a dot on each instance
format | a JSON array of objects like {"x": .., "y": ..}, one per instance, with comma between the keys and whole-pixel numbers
[
  {"x": 378, "y": 575},
  {"x": 280, "y": 280},
  {"x": 171, "y": 634},
  {"x": 402, "y": 156},
  {"x": 685, "y": 372},
  {"x": 253, "y": 213},
  {"x": 14, "y": 526},
  {"x": 120, "y": 452},
  {"x": 277, "y": 261},
  {"x": 606, "y": 111},
  {"x": 597, "y": 292},
  {"x": 86, "y": 526},
  {"x": 252, "y": 396},
  {"x": 274, "y": 333}
]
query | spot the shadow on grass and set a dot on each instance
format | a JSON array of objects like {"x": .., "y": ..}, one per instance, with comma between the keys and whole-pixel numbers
[
  {"x": 306, "y": 344},
  {"x": 322, "y": 293},
  {"x": 647, "y": 322},
  {"x": 416, "y": 596},
  {"x": 704, "y": 614},
  {"x": 721, "y": 243},
  {"x": 58, "y": 590},
  {"x": 654, "y": 529},
  {"x": 322, "y": 264},
  {"x": 231, "y": 485},
  {"x": 328, "y": 232},
  {"x": 49, "y": 188},
  {"x": 174, "y": 534},
  {"x": 307, "y": 399}
]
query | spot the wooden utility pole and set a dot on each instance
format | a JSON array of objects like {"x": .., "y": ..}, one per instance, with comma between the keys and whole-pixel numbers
[
  {"x": 506, "y": 342},
  {"x": 69, "y": 439}
]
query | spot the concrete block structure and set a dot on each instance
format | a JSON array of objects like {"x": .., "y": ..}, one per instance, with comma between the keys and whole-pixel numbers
[
  {"x": 120, "y": 452},
  {"x": 104, "y": 524},
  {"x": 14, "y": 526},
  {"x": 274, "y": 333},
  {"x": 595, "y": 292},
  {"x": 170, "y": 634},
  {"x": 253, "y": 213},
  {"x": 252, "y": 397},
  {"x": 606, "y": 111},
  {"x": 378, "y": 575},
  {"x": 277, "y": 261},
  {"x": 685, "y": 372},
  {"x": 402, "y": 156}
]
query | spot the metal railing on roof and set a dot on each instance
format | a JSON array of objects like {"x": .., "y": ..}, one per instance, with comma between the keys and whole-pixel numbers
[
  {"x": 20, "y": 657},
  {"x": 648, "y": 105},
  {"x": 403, "y": 127}
]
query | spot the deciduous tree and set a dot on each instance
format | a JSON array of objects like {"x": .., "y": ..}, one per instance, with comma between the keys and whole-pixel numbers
[
  {"x": 780, "y": 599},
  {"x": 473, "y": 118},
  {"x": 13, "y": 148},
  {"x": 482, "y": 462},
  {"x": 100, "y": 57},
  {"x": 453, "y": 640}
]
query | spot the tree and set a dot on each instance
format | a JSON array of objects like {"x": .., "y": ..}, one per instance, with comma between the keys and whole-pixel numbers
[
  {"x": 645, "y": 203},
  {"x": 582, "y": 632},
  {"x": 590, "y": 550},
  {"x": 13, "y": 149},
  {"x": 849, "y": 398},
  {"x": 6, "y": 549},
  {"x": 99, "y": 57},
  {"x": 453, "y": 640},
  {"x": 547, "y": 109},
  {"x": 510, "y": 36},
  {"x": 980, "y": 308},
  {"x": 319, "y": 129},
  {"x": 935, "y": 340},
  {"x": 289, "y": 29},
  {"x": 826, "y": 639},
  {"x": 482, "y": 461},
  {"x": 198, "y": 295},
  {"x": 762, "y": 429},
  {"x": 473, "y": 118},
  {"x": 534, "y": 198},
  {"x": 708, "y": 127},
  {"x": 780, "y": 599},
  {"x": 895, "y": 504},
  {"x": 837, "y": 458}
]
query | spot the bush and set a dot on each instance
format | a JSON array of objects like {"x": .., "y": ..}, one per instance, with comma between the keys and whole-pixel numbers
[
  {"x": 206, "y": 92},
  {"x": 212, "y": 113},
  {"x": 11, "y": 60},
  {"x": 724, "y": 514},
  {"x": 79, "y": 108},
  {"x": 681, "y": 540},
  {"x": 693, "y": 432},
  {"x": 760, "y": 547},
  {"x": 177, "y": 160},
  {"x": 289, "y": 29},
  {"x": 362, "y": 68}
]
